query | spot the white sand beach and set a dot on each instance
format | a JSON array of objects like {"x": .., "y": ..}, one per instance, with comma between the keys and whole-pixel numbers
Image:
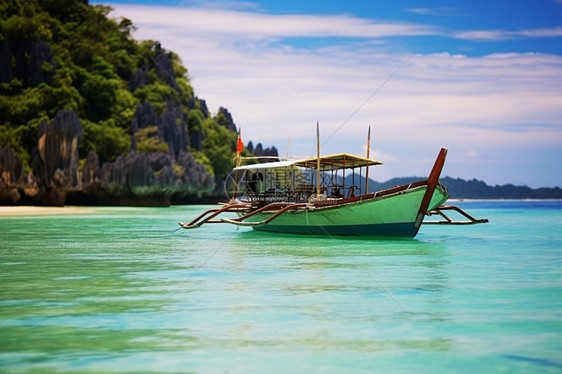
[{"x": 18, "y": 211}]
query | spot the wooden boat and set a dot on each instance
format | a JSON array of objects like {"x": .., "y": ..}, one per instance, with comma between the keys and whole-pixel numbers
[{"x": 312, "y": 196}]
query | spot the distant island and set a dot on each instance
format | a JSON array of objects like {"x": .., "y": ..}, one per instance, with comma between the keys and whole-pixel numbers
[
  {"x": 477, "y": 189},
  {"x": 90, "y": 116}
]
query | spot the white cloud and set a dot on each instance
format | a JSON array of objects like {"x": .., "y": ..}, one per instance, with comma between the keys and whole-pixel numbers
[
  {"x": 234, "y": 24},
  {"x": 439, "y": 11},
  {"x": 223, "y": 4},
  {"x": 483, "y": 35},
  {"x": 275, "y": 90},
  {"x": 542, "y": 33},
  {"x": 488, "y": 35}
]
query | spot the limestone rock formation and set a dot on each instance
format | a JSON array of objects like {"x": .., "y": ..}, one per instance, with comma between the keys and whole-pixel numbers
[
  {"x": 271, "y": 153},
  {"x": 11, "y": 176},
  {"x": 55, "y": 163},
  {"x": 171, "y": 126},
  {"x": 225, "y": 119},
  {"x": 90, "y": 170},
  {"x": 150, "y": 179}
]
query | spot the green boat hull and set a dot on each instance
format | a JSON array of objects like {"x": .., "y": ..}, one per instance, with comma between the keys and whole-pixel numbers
[{"x": 388, "y": 216}]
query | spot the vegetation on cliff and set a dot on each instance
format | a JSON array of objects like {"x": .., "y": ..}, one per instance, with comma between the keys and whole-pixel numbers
[{"x": 124, "y": 111}]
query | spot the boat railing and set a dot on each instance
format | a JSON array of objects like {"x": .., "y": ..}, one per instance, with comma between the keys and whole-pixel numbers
[
  {"x": 305, "y": 193},
  {"x": 269, "y": 197},
  {"x": 394, "y": 190}
]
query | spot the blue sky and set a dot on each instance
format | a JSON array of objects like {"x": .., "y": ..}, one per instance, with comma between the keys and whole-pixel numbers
[{"x": 482, "y": 78}]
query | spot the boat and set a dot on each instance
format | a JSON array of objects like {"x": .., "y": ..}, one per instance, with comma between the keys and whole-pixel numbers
[{"x": 313, "y": 196}]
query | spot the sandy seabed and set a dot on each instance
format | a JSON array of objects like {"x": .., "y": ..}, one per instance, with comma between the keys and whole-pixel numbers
[{"x": 17, "y": 211}]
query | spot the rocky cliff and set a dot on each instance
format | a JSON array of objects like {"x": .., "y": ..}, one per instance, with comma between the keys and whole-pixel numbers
[
  {"x": 88, "y": 115},
  {"x": 11, "y": 176}
]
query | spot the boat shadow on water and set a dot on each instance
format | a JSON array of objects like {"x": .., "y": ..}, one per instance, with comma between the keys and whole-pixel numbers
[{"x": 333, "y": 245}]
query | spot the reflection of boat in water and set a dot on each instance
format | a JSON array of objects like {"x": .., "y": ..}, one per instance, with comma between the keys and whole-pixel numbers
[{"x": 311, "y": 196}]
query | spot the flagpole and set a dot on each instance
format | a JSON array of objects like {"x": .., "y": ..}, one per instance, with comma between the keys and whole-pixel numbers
[
  {"x": 317, "y": 160},
  {"x": 239, "y": 149},
  {"x": 368, "y": 151}
]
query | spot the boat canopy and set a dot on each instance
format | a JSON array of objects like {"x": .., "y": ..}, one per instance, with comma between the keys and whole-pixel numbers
[
  {"x": 267, "y": 165},
  {"x": 337, "y": 161},
  {"x": 330, "y": 162}
]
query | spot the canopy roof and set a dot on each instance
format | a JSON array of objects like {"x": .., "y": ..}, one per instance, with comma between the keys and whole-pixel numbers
[
  {"x": 267, "y": 165},
  {"x": 329, "y": 162},
  {"x": 337, "y": 161}
]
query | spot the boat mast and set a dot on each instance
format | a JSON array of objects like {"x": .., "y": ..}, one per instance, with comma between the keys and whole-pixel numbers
[
  {"x": 317, "y": 159},
  {"x": 239, "y": 149},
  {"x": 288, "y": 146},
  {"x": 368, "y": 151}
]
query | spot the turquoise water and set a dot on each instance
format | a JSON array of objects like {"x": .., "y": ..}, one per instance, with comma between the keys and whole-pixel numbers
[{"x": 116, "y": 290}]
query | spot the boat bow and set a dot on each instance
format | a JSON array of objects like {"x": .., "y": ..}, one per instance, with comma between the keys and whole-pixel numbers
[{"x": 431, "y": 184}]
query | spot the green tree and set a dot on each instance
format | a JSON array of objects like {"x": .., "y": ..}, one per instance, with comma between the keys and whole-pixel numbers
[{"x": 100, "y": 72}]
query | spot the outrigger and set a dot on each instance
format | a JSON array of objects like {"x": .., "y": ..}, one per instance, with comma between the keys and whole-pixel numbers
[{"x": 313, "y": 196}]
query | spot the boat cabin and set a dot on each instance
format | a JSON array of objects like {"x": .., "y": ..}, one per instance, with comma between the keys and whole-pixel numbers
[{"x": 303, "y": 180}]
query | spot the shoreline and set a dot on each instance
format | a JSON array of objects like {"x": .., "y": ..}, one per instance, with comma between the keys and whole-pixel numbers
[
  {"x": 30, "y": 210},
  {"x": 35, "y": 210}
]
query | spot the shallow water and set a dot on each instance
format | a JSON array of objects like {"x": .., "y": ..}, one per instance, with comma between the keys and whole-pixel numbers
[{"x": 116, "y": 290}]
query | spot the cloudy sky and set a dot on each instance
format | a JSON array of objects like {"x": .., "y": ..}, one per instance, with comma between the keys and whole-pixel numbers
[{"x": 482, "y": 78}]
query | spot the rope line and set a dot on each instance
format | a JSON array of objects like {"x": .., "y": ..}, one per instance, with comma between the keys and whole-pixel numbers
[{"x": 368, "y": 99}]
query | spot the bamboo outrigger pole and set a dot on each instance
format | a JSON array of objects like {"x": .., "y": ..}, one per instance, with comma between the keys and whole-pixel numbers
[
  {"x": 317, "y": 160},
  {"x": 368, "y": 151}
]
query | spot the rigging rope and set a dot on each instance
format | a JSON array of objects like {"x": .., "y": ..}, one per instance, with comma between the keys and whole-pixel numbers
[{"x": 368, "y": 99}]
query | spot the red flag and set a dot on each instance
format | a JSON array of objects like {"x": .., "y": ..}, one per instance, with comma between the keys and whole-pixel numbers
[{"x": 240, "y": 145}]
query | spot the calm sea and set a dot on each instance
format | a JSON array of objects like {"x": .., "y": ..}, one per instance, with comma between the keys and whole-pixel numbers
[{"x": 116, "y": 290}]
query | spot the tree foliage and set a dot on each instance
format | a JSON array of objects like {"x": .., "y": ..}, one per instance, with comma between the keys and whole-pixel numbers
[
  {"x": 219, "y": 145},
  {"x": 66, "y": 54}
]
